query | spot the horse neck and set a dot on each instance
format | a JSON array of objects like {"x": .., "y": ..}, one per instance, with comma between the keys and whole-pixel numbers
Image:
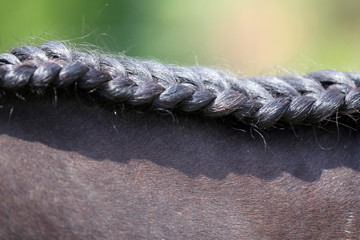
[{"x": 156, "y": 174}]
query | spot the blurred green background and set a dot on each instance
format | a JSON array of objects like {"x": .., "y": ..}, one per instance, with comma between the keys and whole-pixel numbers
[{"x": 249, "y": 36}]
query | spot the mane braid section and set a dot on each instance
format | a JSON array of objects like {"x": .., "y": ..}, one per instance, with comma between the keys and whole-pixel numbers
[{"x": 261, "y": 101}]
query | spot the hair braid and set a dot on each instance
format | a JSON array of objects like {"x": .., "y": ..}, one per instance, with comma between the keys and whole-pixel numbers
[{"x": 261, "y": 101}]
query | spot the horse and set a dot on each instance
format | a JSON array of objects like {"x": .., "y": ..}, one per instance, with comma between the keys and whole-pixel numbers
[{"x": 99, "y": 147}]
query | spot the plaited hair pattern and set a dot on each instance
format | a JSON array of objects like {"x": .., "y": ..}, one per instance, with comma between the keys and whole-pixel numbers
[{"x": 261, "y": 101}]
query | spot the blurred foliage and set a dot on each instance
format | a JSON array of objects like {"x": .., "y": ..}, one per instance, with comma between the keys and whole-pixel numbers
[{"x": 252, "y": 36}]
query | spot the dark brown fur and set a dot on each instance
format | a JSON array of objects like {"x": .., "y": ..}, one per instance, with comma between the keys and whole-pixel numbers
[{"x": 82, "y": 172}]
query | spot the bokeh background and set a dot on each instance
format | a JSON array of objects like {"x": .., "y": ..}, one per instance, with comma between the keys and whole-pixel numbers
[{"x": 247, "y": 36}]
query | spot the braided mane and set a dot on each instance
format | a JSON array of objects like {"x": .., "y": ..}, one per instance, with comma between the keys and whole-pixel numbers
[{"x": 260, "y": 101}]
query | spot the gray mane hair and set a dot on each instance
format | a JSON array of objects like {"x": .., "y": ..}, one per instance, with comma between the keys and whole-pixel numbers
[{"x": 259, "y": 101}]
